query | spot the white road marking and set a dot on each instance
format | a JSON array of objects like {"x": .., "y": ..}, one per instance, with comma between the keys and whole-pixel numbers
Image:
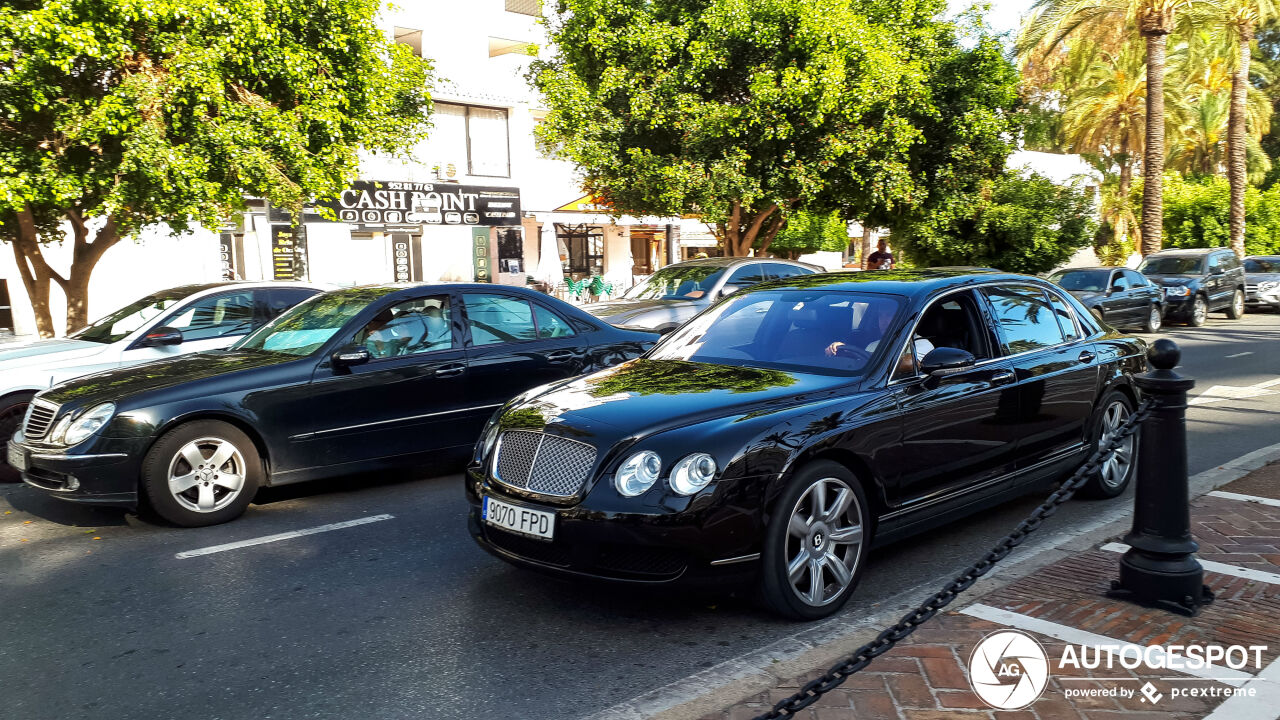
[
  {"x": 1244, "y": 498},
  {"x": 1239, "y": 355},
  {"x": 1217, "y": 567},
  {"x": 1076, "y": 636},
  {"x": 280, "y": 536},
  {"x": 1260, "y": 706},
  {"x": 1218, "y": 393}
]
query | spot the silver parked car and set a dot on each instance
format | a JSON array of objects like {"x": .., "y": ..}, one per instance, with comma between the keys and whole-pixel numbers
[
  {"x": 1262, "y": 281},
  {"x": 666, "y": 299}
]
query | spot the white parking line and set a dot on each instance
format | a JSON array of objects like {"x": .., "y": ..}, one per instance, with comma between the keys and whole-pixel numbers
[
  {"x": 1111, "y": 646},
  {"x": 1239, "y": 355},
  {"x": 1217, "y": 567},
  {"x": 1244, "y": 498},
  {"x": 280, "y": 536}
]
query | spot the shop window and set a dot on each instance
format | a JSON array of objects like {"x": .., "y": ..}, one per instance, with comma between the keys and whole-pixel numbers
[
  {"x": 470, "y": 138},
  {"x": 510, "y": 250},
  {"x": 581, "y": 249},
  {"x": 410, "y": 37}
]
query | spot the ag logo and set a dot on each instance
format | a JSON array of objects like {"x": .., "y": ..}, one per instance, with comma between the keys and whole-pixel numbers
[{"x": 1008, "y": 670}]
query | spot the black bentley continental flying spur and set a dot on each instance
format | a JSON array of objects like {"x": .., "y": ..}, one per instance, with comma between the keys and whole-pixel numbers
[
  {"x": 781, "y": 434},
  {"x": 357, "y": 379}
]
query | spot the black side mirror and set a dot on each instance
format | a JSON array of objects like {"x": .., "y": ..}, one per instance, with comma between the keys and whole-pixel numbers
[
  {"x": 727, "y": 290},
  {"x": 944, "y": 361},
  {"x": 1216, "y": 270},
  {"x": 350, "y": 356},
  {"x": 163, "y": 335}
]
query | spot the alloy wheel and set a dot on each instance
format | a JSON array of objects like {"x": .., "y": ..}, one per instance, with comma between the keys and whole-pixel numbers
[
  {"x": 1115, "y": 470},
  {"x": 824, "y": 542},
  {"x": 1154, "y": 319},
  {"x": 1199, "y": 311},
  {"x": 1237, "y": 304},
  {"x": 206, "y": 474}
]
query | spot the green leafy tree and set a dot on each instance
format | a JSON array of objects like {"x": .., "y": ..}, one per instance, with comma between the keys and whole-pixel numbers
[
  {"x": 1024, "y": 224},
  {"x": 118, "y": 114},
  {"x": 744, "y": 111},
  {"x": 807, "y": 232},
  {"x": 1197, "y": 214}
]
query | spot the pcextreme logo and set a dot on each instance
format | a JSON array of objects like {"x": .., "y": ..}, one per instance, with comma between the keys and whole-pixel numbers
[{"x": 1008, "y": 670}]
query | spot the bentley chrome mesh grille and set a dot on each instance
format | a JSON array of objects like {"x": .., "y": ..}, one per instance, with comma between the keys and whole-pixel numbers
[{"x": 541, "y": 463}]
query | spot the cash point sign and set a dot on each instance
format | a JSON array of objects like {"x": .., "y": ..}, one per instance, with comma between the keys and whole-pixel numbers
[{"x": 379, "y": 204}]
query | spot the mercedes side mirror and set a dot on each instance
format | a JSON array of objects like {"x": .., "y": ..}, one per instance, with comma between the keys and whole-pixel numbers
[
  {"x": 944, "y": 361},
  {"x": 727, "y": 290},
  {"x": 1216, "y": 270},
  {"x": 159, "y": 336},
  {"x": 350, "y": 356}
]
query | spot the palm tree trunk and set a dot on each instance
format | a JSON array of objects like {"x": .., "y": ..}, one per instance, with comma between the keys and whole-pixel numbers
[
  {"x": 1236, "y": 131},
  {"x": 1153, "y": 163},
  {"x": 1120, "y": 230}
]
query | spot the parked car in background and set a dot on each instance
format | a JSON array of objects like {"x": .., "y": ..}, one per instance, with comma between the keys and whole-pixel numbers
[
  {"x": 1118, "y": 296},
  {"x": 1197, "y": 282},
  {"x": 165, "y": 324},
  {"x": 352, "y": 380},
  {"x": 669, "y": 297},
  {"x": 1262, "y": 281},
  {"x": 780, "y": 435}
]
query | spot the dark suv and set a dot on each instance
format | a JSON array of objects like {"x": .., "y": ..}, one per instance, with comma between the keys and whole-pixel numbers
[{"x": 1196, "y": 282}]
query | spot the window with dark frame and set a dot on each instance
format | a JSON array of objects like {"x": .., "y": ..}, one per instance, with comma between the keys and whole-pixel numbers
[
  {"x": 476, "y": 135},
  {"x": 585, "y": 245}
]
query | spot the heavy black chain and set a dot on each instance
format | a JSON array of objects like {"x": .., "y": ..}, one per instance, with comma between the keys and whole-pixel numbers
[{"x": 816, "y": 688}]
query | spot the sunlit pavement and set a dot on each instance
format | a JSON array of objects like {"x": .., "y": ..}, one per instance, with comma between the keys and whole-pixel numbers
[{"x": 109, "y": 615}]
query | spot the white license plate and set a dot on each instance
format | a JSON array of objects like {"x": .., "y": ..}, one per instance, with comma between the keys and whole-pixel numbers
[
  {"x": 517, "y": 519},
  {"x": 17, "y": 458}
]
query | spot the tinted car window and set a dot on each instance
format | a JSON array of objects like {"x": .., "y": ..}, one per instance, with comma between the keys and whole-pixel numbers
[
  {"x": 677, "y": 282},
  {"x": 1135, "y": 280},
  {"x": 1066, "y": 321},
  {"x": 550, "y": 325},
  {"x": 274, "y": 301},
  {"x": 304, "y": 328},
  {"x": 779, "y": 270},
  {"x": 1119, "y": 281},
  {"x": 747, "y": 275},
  {"x": 408, "y": 328},
  {"x": 1026, "y": 320},
  {"x": 498, "y": 319},
  {"x": 1262, "y": 265},
  {"x": 214, "y": 316},
  {"x": 802, "y": 330},
  {"x": 1081, "y": 280},
  {"x": 1171, "y": 265}
]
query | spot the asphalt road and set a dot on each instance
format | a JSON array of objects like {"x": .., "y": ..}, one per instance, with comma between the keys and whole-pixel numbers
[{"x": 404, "y": 617}]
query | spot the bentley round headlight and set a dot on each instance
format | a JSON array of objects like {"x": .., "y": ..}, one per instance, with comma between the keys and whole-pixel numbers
[
  {"x": 693, "y": 473},
  {"x": 89, "y": 423},
  {"x": 638, "y": 473}
]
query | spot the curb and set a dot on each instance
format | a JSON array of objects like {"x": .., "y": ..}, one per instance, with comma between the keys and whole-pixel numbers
[{"x": 821, "y": 645}]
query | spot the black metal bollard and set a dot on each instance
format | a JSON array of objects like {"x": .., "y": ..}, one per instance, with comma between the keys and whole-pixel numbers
[{"x": 1160, "y": 567}]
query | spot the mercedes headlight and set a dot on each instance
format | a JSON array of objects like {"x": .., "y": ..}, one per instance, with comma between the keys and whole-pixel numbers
[
  {"x": 692, "y": 473},
  {"x": 638, "y": 473},
  {"x": 1268, "y": 286},
  {"x": 73, "y": 430},
  {"x": 1177, "y": 290}
]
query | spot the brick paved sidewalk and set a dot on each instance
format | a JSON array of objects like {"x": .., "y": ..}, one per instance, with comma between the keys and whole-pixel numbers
[{"x": 926, "y": 676}]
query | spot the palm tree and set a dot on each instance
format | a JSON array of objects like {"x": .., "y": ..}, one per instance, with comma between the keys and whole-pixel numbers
[
  {"x": 1200, "y": 109},
  {"x": 1104, "y": 115},
  {"x": 1053, "y": 21}
]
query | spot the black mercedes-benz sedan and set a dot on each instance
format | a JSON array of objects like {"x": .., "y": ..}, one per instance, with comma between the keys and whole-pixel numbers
[
  {"x": 1120, "y": 297},
  {"x": 351, "y": 380},
  {"x": 781, "y": 434}
]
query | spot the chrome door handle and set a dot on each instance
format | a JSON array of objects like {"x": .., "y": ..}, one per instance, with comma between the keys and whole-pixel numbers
[
  {"x": 1086, "y": 356},
  {"x": 559, "y": 356},
  {"x": 1003, "y": 377},
  {"x": 453, "y": 370}
]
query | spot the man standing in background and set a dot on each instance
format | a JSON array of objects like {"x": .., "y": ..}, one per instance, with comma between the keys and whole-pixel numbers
[{"x": 881, "y": 259}]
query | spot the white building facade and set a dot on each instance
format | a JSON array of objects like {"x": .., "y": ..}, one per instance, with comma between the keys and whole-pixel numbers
[{"x": 476, "y": 201}]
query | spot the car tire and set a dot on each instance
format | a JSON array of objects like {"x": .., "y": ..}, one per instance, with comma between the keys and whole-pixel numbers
[
  {"x": 1235, "y": 310},
  {"x": 1155, "y": 319},
  {"x": 1199, "y": 312},
  {"x": 799, "y": 542},
  {"x": 12, "y": 409},
  {"x": 209, "y": 494},
  {"x": 1114, "y": 476}
]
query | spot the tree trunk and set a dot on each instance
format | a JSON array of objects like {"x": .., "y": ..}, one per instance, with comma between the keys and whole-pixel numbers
[
  {"x": 1120, "y": 232},
  {"x": 746, "y": 226},
  {"x": 84, "y": 259},
  {"x": 1153, "y": 163},
  {"x": 864, "y": 252},
  {"x": 35, "y": 272},
  {"x": 1236, "y": 139}
]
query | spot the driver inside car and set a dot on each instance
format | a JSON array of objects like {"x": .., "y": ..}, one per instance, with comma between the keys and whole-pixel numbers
[{"x": 883, "y": 319}]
